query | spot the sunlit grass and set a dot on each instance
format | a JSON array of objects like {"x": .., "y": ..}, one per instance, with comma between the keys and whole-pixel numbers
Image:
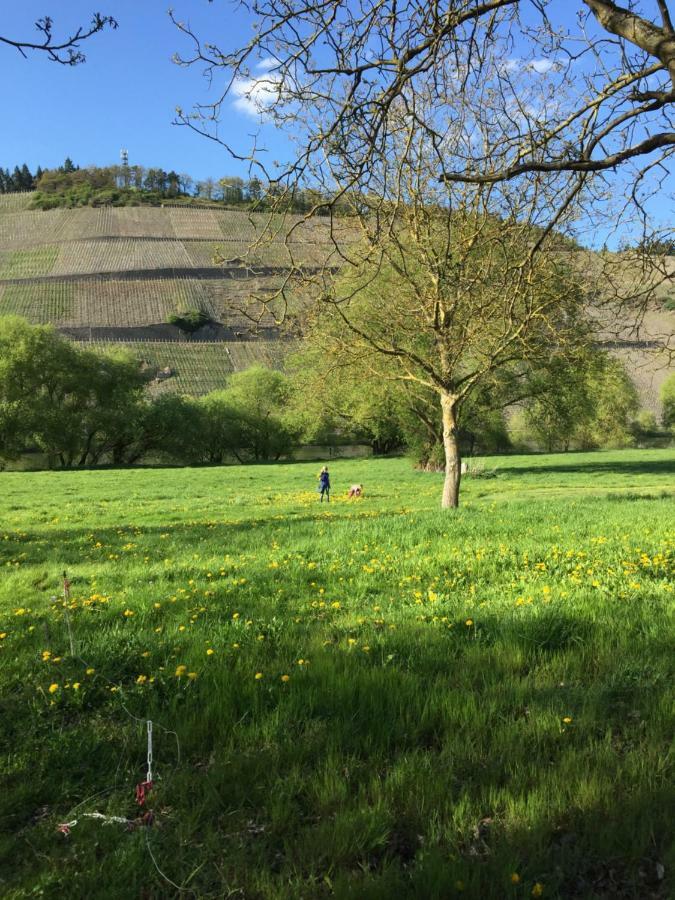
[{"x": 371, "y": 698}]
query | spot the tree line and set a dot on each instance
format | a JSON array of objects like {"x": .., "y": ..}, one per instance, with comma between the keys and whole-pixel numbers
[
  {"x": 71, "y": 185},
  {"x": 82, "y": 408}
]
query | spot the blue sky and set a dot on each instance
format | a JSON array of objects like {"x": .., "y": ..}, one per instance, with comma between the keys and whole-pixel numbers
[{"x": 126, "y": 93}]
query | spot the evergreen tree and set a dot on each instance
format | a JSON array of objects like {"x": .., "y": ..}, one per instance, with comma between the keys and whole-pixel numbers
[{"x": 27, "y": 181}]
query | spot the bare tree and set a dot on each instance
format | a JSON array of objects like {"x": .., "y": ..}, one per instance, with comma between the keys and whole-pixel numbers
[
  {"x": 452, "y": 289},
  {"x": 64, "y": 50},
  {"x": 529, "y": 97},
  {"x": 608, "y": 85}
]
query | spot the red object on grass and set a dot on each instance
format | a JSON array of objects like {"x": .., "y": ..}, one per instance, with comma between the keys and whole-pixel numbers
[{"x": 142, "y": 791}]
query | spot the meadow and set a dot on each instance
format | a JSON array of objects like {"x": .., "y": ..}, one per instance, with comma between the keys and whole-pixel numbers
[{"x": 367, "y": 699}]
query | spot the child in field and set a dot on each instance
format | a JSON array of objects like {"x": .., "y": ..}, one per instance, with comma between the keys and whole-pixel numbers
[
  {"x": 356, "y": 490},
  {"x": 324, "y": 484}
]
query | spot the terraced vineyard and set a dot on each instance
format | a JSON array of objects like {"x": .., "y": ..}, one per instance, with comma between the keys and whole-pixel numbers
[
  {"x": 114, "y": 277},
  {"x": 200, "y": 367},
  {"x": 118, "y": 274}
]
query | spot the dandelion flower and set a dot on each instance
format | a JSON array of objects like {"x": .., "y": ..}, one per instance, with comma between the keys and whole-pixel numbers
[
  {"x": 180, "y": 670},
  {"x": 258, "y": 676},
  {"x": 210, "y": 652},
  {"x": 567, "y": 720},
  {"x": 515, "y": 878},
  {"x": 141, "y": 679},
  {"x": 76, "y": 685},
  {"x": 192, "y": 675},
  {"x": 90, "y": 671},
  {"x": 285, "y": 678},
  {"x": 538, "y": 889},
  {"x": 469, "y": 622},
  {"x": 128, "y": 612},
  {"x": 53, "y": 688}
]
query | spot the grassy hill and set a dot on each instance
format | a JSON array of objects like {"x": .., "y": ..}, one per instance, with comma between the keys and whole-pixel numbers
[{"x": 117, "y": 275}]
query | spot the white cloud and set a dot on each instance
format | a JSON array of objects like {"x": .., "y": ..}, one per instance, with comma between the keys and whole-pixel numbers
[
  {"x": 256, "y": 96},
  {"x": 267, "y": 63},
  {"x": 540, "y": 66}
]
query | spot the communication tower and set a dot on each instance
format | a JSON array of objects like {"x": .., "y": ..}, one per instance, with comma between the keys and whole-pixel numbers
[{"x": 124, "y": 156}]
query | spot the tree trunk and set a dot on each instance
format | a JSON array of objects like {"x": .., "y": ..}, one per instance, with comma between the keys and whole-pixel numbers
[{"x": 453, "y": 463}]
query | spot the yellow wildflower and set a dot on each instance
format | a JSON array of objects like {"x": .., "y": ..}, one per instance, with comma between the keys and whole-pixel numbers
[
  {"x": 53, "y": 688},
  {"x": 258, "y": 676},
  {"x": 538, "y": 889}
]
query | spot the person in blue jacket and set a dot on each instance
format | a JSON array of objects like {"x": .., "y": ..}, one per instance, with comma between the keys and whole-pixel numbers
[{"x": 324, "y": 484}]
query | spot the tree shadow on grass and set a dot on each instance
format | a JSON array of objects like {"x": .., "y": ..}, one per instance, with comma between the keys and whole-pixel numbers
[
  {"x": 439, "y": 756},
  {"x": 644, "y": 466}
]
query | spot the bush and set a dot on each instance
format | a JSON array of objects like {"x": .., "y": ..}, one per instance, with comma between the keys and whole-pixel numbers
[{"x": 189, "y": 320}]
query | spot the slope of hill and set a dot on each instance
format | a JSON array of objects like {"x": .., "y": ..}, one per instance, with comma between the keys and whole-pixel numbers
[
  {"x": 116, "y": 275},
  {"x": 113, "y": 275}
]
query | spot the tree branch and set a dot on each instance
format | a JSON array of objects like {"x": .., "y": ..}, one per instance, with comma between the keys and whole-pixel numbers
[{"x": 66, "y": 52}]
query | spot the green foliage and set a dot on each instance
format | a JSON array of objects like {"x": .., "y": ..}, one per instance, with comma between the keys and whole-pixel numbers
[
  {"x": 70, "y": 187},
  {"x": 71, "y": 404},
  {"x": 337, "y": 404},
  {"x": 259, "y": 397},
  {"x": 189, "y": 320},
  {"x": 82, "y": 407},
  {"x": 584, "y": 404},
  {"x": 358, "y": 400},
  {"x": 668, "y": 401}
]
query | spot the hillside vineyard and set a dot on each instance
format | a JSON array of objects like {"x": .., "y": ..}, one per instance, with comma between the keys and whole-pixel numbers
[{"x": 115, "y": 275}]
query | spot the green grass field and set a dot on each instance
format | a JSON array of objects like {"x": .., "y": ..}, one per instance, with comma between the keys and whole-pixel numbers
[{"x": 371, "y": 699}]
